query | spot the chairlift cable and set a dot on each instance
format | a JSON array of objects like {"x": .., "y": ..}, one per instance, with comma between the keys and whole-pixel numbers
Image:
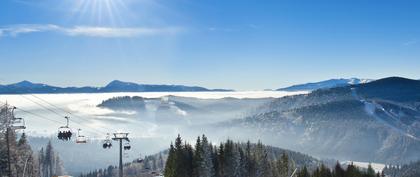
[
  {"x": 98, "y": 132},
  {"x": 68, "y": 112},
  {"x": 35, "y": 114}
]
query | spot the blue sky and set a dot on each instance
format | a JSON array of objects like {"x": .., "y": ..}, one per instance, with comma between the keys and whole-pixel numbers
[{"x": 238, "y": 44}]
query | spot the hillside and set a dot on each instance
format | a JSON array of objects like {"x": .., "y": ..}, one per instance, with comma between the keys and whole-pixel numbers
[{"x": 383, "y": 116}]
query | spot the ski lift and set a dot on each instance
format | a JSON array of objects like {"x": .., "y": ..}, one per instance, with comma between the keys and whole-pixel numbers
[
  {"x": 18, "y": 123},
  {"x": 64, "y": 132},
  {"x": 127, "y": 146},
  {"x": 107, "y": 142},
  {"x": 140, "y": 159},
  {"x": 80, "y": 138}
]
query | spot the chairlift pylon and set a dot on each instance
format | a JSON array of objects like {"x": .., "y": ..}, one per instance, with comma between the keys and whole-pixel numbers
[{"x": 64, "y": 132}]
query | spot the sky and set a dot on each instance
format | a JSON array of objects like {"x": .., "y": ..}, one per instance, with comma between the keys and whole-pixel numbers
[{"x": 235, "y": 44}]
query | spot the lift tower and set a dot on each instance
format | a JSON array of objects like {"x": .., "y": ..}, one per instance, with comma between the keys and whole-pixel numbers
[{"x": 120, "y": 137}]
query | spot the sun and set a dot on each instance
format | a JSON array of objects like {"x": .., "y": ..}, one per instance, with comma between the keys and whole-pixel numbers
[{"x": 100, "y": 12}]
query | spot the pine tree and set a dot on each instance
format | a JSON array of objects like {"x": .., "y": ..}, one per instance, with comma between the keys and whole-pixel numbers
[
  {"x": 262, "y": 162},
  {"x": 370, "y": 171},
  {"x": 197, "y": 158},
  {"x": 283, "y": 165},
  {"x": 206, "y": 166},
  {"x": 338, "y": 170},
  {"x": 303, "y": 172},
  {"x": 221, "y": 160},
  {"x": 170, "y": 163}
]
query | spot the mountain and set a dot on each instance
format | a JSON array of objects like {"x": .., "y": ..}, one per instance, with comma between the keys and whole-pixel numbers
[
  {"x": 114, "y": 86},
  {"x": 377, "y": 121},
  {"x": 175, "y": 110},
  {"x": 325, "y": 84}
]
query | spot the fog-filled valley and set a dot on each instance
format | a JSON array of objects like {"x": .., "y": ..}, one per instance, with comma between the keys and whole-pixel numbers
[
  {"x": 376, "y": 122},
  {"x": 152, "y": 119}
]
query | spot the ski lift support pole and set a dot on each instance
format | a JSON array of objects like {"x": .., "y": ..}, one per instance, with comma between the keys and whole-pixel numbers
[{"x": 120, "y": 137}]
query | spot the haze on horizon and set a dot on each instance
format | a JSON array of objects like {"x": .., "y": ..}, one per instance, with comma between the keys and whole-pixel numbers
[{"x": 241, "y": 45}]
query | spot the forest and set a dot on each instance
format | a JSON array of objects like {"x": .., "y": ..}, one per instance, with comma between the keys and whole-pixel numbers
[
  {"x": 16, "y": 155},
  {"x": 231, "y": 159}
]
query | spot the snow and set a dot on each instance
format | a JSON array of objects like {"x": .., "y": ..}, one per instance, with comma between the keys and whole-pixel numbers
[{"x": 378, "y": 167}]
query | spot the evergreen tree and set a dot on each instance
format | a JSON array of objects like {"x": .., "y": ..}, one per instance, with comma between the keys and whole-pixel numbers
[
  {"x": 206, "y": 166},
  {"x": 170, "y": 163},
  {"x": 283, "y": 165},
  {"x": 197, "y": 158},
  {"x": 370, "y": 171},
  {"x": 262, "y": 162},
  {"x": 303, "y": 172}
]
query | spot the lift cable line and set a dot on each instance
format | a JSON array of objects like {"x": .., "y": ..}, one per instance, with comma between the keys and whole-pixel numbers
[
  {"x": 118, "y": 136},
  {"x": 34, "y": 114},
  {"x": 45, "y": 118},
  {"x": 68, "y": 112},
  {"x": 64, "y": 132},
  {"x": 98, "y": 132}
]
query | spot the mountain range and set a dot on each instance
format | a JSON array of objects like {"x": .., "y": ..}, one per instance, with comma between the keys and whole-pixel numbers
[
  {"x": 25, "y": 87},
  {"x": 325, "y": 84},
  {"x": 114, "y": 86}
]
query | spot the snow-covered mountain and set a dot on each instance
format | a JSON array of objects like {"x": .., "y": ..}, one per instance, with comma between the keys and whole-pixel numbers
[
  {"x": 377, "y": 122},
  {"x": 325, "y": 84},
  {"x": 114, "y": 86}
]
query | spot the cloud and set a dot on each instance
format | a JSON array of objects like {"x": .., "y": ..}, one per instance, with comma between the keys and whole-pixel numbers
[{"x": 90, "y": 31}]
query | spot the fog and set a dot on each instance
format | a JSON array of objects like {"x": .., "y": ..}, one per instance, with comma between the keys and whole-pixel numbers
[{"x": 151, "y": 129}]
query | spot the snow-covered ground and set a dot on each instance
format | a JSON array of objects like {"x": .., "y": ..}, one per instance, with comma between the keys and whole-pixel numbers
[{"x": 378, "y": 167}]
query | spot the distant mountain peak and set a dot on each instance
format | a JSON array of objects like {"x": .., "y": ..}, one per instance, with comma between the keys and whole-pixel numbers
[
  {"x": 119, "y": 83},
  {"x": 24, "y": 83},
  {"x": 27, "y": 84},
  {"x": 331, "y": 83}
]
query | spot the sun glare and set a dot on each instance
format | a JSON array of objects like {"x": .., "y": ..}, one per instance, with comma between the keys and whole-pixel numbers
[{"x": 100, "y": 12}]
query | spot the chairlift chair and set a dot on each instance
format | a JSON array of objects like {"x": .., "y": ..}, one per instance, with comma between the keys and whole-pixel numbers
[
  {"x": 127, "y": 146},
  {"x": 18, "y": 123},
  {"x": 81, "y": 139},
  {"x": 107, "y": 142},
  {"x": 64, "y": 132}
]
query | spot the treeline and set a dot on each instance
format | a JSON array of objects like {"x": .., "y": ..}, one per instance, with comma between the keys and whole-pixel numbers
[
  {"x": 148, "y": 166},
  {"x": 338, "y": 171},
  {"x": 229, "y": 159},
  {"x": 407, "y": 170},
  {"x": 23, "y": 161}
]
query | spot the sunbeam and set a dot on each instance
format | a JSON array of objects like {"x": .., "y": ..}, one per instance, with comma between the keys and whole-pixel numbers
[{"x": 100, "y": 12}]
